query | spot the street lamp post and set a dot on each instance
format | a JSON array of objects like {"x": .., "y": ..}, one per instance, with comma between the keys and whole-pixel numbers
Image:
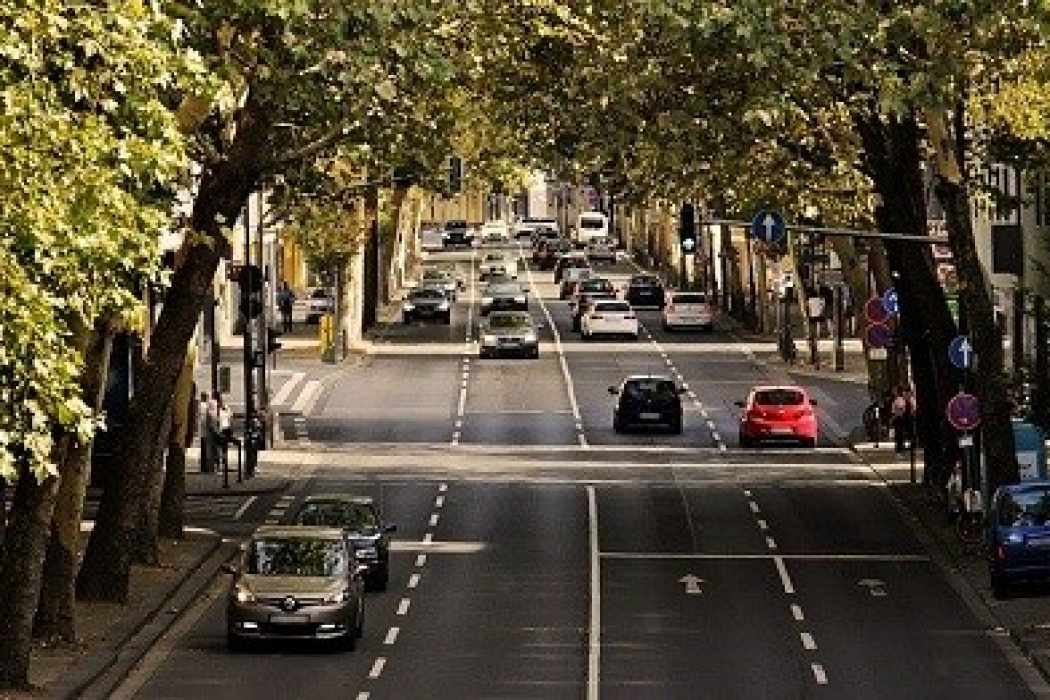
[{"x": 249, "y": 373}]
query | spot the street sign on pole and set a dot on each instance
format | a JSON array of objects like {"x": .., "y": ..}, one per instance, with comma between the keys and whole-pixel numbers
[
  {"x": 768, "y": 226},
  {"x": 960, "y": 352},
  {"x": 890, "y": 302},
  {"x": 879, "y": 335},
  {"x": 964, "y": 411},
  {"x": 875, "y": 310}
]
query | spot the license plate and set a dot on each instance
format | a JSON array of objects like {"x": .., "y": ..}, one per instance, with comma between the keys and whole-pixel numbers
[
  {"x": 649, "y": 416},
  {"x": 781, "y": 431},
  {"x": 289, "y": 619},
  {"x": 509, "y": 343}
]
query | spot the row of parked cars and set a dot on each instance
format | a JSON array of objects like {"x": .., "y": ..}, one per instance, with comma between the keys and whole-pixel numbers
[{"x": 307, "y": 580}]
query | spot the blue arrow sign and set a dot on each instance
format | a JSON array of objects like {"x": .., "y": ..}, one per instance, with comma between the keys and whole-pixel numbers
[
  {"x": 890, "y": 302},
  {"x": 960, "y": 352},
  {"x": 768, "y": 226}
]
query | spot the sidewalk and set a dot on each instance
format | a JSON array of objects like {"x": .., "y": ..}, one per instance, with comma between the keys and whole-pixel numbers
[{"x": 112, "y": 638}]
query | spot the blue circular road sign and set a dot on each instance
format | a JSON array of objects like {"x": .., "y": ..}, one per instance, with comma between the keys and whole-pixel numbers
[
  {"x": 890, "y": 302},
  {"x": 964, "y": 411},
  {"x": 768, "y": 226},
  {"x": 960, "y": 352},
  {"x": 879, "y": 335}
]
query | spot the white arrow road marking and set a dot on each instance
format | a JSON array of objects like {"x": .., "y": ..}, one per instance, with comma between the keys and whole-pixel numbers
[{"x": 692, "y": 584}]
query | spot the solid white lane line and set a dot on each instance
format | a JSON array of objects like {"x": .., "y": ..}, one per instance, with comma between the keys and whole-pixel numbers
[
  {"x": 796, "y": 612},
  {"x": 421, "y": 560},
  {"x": 377, "y": 668},
  {"x": 594, "y": 633},
  {"x": 287, "y": 388},
  {"x": 439, "y": 501},
  {"x": 244, "y": 507},
  {"x": 807, "y": 641},
  {"x": 434, "y": 520},
  {"x": 402, "y": 607},
  {"x": 271, "y": 521},
  {"x": 391, "y": 635},
  {"x": 413, "y": 580},
  {"x": 819, "y": 675},
  {"x": 785, "y": 579}
]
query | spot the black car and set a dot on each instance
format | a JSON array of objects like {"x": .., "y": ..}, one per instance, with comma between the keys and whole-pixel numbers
[
  {"x": 548, "y": 252},
  {"x": 645, "y": 290},
  {"x": 427, "y": 303},
  {"x": 583, "y": 304},
  {"x": 504, "y": 296},
  {"x": 361, "y": 521},
  {"x": 456, "y": 233},
  {"x": 647, "y": 401},
  {"x": 569, "y": 260}
]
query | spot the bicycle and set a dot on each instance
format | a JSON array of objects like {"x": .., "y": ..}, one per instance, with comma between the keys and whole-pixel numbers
[{"x": 875, "y": 424}]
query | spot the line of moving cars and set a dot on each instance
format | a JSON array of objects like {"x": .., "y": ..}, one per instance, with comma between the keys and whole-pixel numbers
[{"x": 306, "y": 581}]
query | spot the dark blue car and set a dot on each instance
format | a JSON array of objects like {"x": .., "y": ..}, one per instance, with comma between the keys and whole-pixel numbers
[{"x": 1019, "y": 534}]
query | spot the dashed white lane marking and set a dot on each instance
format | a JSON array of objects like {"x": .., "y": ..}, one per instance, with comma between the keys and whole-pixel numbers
[
  {"x": 363, "y": 695},
  {"x": 244, "y": 507},
  {"x": 819, "y": 675},
  {"x": 377, "y": 668},
  {"x": 439, "y": 501},
  {"x": 785, "y": 579},
  {"x": 459, "y": 424},
  {"x": 762, "y": 524},
  {"x": 771, "y": 543},
  {"x": 434, "y": 520},
  {"x": 796, "y": 612},
  {"x": 594, "y": 632},
  {"x": 413, "y": 580},
  {"x": 391, "y": 635},
  {"x": 421, "y": 560},
  {"x": 807, "y": 641},
  {"x": 442, "y": 487},
  {"x": 402, "y": 607},
  {"x": 753, "y": 506}
]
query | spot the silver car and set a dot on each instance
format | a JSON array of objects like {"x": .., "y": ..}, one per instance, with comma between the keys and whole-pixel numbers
[
  {"x": 295, "y": 583},
  {"x": 509, "y": 333}
]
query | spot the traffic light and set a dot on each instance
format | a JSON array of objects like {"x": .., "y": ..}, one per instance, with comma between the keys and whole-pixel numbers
[
  {"x": 251, "y": 281},
  {"x": 687, "y": 235},
  {"x": 455, "y": 174},
  {"x": 273, "y": 340}
]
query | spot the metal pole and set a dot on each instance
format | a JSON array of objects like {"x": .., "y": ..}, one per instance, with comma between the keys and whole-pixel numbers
[
  {"x": 840, "y": 329},
  {"x": 261, "y": 335},
  {"x": 249, "y": 373}
]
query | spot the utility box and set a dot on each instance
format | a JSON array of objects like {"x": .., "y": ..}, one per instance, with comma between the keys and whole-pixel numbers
[{"x": 1030, "y": 442}]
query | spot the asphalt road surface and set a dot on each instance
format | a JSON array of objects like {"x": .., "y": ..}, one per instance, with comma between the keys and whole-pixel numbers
[{"x": 540, "y": 555}]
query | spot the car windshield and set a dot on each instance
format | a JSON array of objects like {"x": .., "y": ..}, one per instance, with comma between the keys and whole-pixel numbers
[
  {"x": 319, "y": 294},
  {"x": 597, "y": 285},
  {"x": 643, "y": 388},
  {"x": 342, "y": 514},
  {"x": 296, "y": 556},
  {"x": 613, "y": 306},
  {"x": 1029, "y": 507},
  {"x": 643, "y": 282},
  {"x": 690, "y": 299},
  {"x": 779, "y": 397},
  {"x": 508, "y": 321},
  {"x": 493, "y": 257},
  {"x": 591, "y": 223},
  {"x": 427, "y": 293}
]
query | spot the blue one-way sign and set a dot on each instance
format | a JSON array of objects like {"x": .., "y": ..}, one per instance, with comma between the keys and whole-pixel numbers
[
  {"x": 960, "y": 352},
  {"x": 768, "y": 226}
]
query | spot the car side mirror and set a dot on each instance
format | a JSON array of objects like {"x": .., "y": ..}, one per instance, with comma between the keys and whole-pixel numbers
[
  {"x": 390, "y": 527},
  {"x": 740, "y": 404},
  {"x": 228, "y": 569}
]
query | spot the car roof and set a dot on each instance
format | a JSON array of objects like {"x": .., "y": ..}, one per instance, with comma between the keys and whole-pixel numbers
[
  {"x": 311, "y": 532},
  {"x": 646, "y": 377}
]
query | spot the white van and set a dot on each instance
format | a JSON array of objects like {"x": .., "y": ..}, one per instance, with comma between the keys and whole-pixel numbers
[{"x": 591, "y": 224}]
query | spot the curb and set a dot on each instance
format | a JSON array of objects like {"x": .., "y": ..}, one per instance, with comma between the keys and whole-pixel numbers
[{"x": 103, "y": 672}]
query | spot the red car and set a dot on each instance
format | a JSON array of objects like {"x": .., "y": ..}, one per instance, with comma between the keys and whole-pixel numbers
[{"x": 782, "y": 413}]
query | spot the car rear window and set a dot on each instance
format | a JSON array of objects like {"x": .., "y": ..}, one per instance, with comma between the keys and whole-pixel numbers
[
  {"x": 508, "y": 321},
  {"x": 644, "y": 282},
  {"x": 427, "y": 293},
  {"x": 779, "y": 397},
  {"x": 649, "y": 387},
  {"x": 690, "y": 298},
  {"x": 1028, "y": 507}
]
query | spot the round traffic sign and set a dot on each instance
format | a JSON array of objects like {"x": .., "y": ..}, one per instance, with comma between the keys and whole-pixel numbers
[
  {"x": 890, "y": 302},
  {"x": 768, "y": 226},
  {"x": 875, "y": 310},
  {"x": 964, "y": 411},
  {"x": 879, "y": 335},
  {"x": 960, "y": 352}
]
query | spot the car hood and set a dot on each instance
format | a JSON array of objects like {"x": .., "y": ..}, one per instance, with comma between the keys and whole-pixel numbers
[{"x": 300, "y": 586}]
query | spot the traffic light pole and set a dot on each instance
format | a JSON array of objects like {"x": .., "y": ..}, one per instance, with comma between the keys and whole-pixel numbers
[{"x": 249, "y": 371}]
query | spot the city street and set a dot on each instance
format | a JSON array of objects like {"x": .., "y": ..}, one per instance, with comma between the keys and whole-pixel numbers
[{"x": 539, "y": 554}]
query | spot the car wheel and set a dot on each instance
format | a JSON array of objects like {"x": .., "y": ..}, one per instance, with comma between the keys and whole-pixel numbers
[
  {"x": 535, "y": 354},
  {"x": 359, "y": 628},
  {"x": 676, "y": 426},
  {"x": 575, "y": 325},
  {"x": 666, "y": 327},
  {"x": 348, "y": 642},
  {"x": 236, "y": 644},
  {"x": 617, "y": 425},
  {"x": 637, "y": 335}
]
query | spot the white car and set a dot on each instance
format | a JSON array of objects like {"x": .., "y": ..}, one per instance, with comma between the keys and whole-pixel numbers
[
  {"x": 601, "y": 249},
  {"x": 495, "y": 264},
  {"x": 320, "y": 302},
  {"x": 687, "y": 310},
  {"x": 494, "y": 233},
  {"x": 609, "y": 317}
]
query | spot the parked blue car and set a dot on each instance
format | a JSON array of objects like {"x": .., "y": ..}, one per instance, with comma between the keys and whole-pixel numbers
[{"x": 1019, "y": 536}]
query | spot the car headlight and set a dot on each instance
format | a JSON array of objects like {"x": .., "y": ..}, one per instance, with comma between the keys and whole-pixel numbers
[
  {"x": 443, "y": 306},
  {"x": 243, "y": 594},
  {"x": 488, "y": 339},
  {"x": 367, "y": 552},
  {"x": 530, "y": 337},
  {"x": 520, "y": 299},
  {"x": 408, "y": 306},
  {"x": 338, "y": 597},
  {"x": 486, "y": 301}
]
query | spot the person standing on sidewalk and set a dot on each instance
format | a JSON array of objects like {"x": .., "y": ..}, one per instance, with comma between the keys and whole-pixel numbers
[
  {"x": 903, "y": 412},
  {"x": 285, "y": 302}
]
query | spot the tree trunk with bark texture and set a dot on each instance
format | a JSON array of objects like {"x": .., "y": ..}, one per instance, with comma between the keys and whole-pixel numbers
[
  {"x": 222, "y": 193},
  {"x": 21, "y": 571},
  {"x": 145, "y": 542},
  {"x": 55, "y": 619},
  {"x": 173, "y": 494}
]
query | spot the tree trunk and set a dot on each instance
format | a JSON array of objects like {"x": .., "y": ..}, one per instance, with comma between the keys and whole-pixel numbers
[
  {"x": 371, "y": 258},
  {"x": 222, "y": 194},
  {"x": 390, "y": 240},
  {"x": 55, "y": 618},
  {"x": 893, "y": 158},
  {"x": 145, "y": 543},
  {"x": 21, "y": 571},
  {"x": 173, "y": 494}
]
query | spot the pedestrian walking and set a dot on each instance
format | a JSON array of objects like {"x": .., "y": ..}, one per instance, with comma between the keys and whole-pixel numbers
[
  {"x": 903, "y": 412},
  {"x": 285, "y": 302}
]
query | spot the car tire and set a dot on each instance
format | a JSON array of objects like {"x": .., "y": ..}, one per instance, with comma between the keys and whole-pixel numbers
[
  {"x": 676, "y": 427},
  {"x": 381, "y": 581},
  {"x": 809, "y": 442},
  {"x": 666, "y": 327},
  {"x": 617, "y": 425},
  {"x": 746, "y": 441},
  {"x": 236, "y": 644},
  {"x": 535, "y": 354},
  {"x": 637, "y": 336},
  {"x": 575, "y": 326}
]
